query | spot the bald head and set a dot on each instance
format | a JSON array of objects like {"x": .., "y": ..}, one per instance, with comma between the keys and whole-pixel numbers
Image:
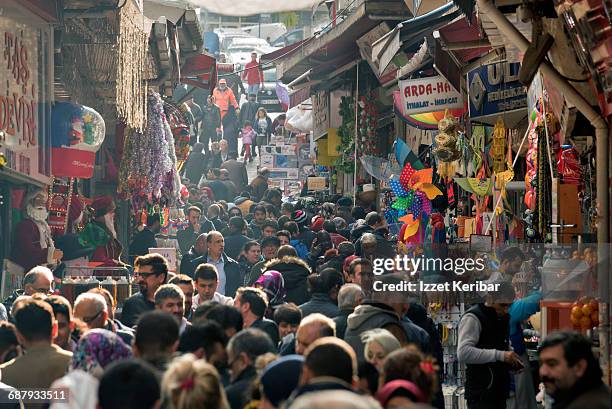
[{"x": 311, "y": 328}]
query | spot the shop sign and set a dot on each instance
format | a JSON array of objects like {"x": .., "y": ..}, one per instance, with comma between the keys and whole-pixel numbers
[
  {"x": 495, "y": 88},
  {"x": 320, "y": 114},
  {"x": 429, "y": 94},
  {"x": 19, "y": 104}
]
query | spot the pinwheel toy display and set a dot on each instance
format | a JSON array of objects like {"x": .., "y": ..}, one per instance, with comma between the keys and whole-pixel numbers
[{"x": 414, "y": 191}]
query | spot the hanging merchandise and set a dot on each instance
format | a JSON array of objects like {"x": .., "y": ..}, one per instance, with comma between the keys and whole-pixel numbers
[
  {"x": 346, "y": 161},
  {"x": 77, "y": 132},
  {"x": 414, "y": 191},
  {"x": 447, "y": 149},
  {"x": 60, "y": 197},
  {"x": 498, "y": 147},
  {"x": 568, "y": 166},
  {"x": 531, "y": 161},
  {"x": 368, "y": 123},
  {"x": 180, "y": 131},
  {"x": 148, "y": 173}
]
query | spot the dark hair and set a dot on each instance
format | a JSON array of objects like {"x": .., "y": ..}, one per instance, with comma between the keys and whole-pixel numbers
[
  {"x": 158, "y": 263},
  {"x": 225, "y": 315},
  {"x": 283, "y": 233},
  {"x": 282, "y": 220},
  {"x": 216, "y": 172},
  {"x": 358, "y": 212},
  {"x": 289, "y": 313},
  {"x": 8, "y": 339},
  {"x": 405, "y": 363},
  {"x": 270, "y": 208},
  {"x": 168, "y": 291},
  {"x": 269, "y": 223},
  {"x": 329, "y": 226},
  {"x": 363, "y": 262},
  {"x": 257, "y": 299},
  {"x": 373, "y": 218},
  {"x": 206, "y": 271},
  {"x": 34, "y": 319},
  {"x": 236, "y": 224},
  {"x": 325, "y": 281},
  {"x": 194, "y": 209},
  {"x": 287, "y": 207},
  {"x": 130, "y": 384},
  {"x": 575, "y": 347},
  {"x": 293, "y": 228},
  {"x": 247, "y": 122},
  {"x": 259, "y": 208},
  {"x": 249, "y": 244},
  {"x": 181, "y": 279},
  {"x": 204, "y": 335},
  {"x": 286, "y": 251},
  {"x": 60, "y": 305},
  {"x": 270, "y": 241},
  {"x": 156, "y": 333},
  {"x": 253, "y": 342},
  {"x": 271, "y": 193},
  {"x": 199, "y": 315},
  {"x": 153, "y": 218},
  {"x": 368, "y": 372},
  {"x": 510, "y": 254},
  {"x": 331, "y": 357}
]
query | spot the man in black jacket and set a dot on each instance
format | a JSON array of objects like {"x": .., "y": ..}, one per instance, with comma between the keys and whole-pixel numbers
[
  {"x": 242, "y": 350},
  {"x": 227, "y": 268},
  {"x": 248, "y": 111},
  {"x": 235, "y": 238},
  {"x": 195, "y": 165},
  {"x": 349, "y": 297},
  {"x": 252, "y": 303},
  {"x": 211, "y": 123},
  {"x": 186, "y": 238},
  {"x": 145, "y": 239},
  {"x": 484, "y": 349},
  {"x": 194, "y": 257}
]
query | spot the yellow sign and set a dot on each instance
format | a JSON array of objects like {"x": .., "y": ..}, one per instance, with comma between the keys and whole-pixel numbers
[{"x": 316, "y": 183}]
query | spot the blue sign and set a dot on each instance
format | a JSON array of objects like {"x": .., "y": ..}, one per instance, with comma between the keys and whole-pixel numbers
[{"x": 495, "y": 89}]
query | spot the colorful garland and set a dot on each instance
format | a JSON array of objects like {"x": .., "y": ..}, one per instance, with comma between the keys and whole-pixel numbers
[
  {"x": 346, "y": 162},
  {"x": 368, "y": 123}
]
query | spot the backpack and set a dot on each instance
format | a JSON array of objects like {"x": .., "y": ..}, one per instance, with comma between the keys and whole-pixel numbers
[{"x": 300, "y": 248}]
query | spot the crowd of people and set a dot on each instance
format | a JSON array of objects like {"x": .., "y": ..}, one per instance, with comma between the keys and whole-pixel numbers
[{"x": 273, "y": 306}]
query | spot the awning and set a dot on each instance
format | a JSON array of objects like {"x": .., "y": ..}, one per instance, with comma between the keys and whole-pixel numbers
[
  {"x": 281, "y": 52},
  {"x": 410, "y": 33},
  {"x": 200, "y": 71},
  {"x": 339, "y": 41}
]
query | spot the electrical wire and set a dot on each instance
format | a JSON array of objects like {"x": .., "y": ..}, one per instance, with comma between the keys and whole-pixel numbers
[{"x": 305, "y": 42}]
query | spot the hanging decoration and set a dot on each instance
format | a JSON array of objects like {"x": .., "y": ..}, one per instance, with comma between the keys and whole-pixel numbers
[
  {"x": 180, "y": 130},
  {"x": 148, "y": 173},
  {"x": 498, "y": 147},
  {"x": 131, "y": 85},
  {"x": 77, "y": 132},
  {"x": 60, "y": 198},
  {"x": 447, "y": 149},
  {"x": 368, "y": 123},
  {"x": 346, "y": 161},
  {"x": 414, "y": 191}
]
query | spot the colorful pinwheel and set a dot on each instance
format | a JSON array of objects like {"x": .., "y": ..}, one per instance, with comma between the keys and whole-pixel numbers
[{"x": 414, "y": 191}]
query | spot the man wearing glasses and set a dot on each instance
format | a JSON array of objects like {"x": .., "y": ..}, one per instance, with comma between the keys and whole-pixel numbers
[
  {"x": 150, "y": 272},
  {"x": 38, "y": 280}
]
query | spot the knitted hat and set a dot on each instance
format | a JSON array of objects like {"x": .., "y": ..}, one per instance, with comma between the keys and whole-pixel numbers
[
  {"x": 317, "y": 223},
  {"x": 281, "y": 377},
  {"x": 299, "y": 216},
  {"x": 103, "y": 205}
]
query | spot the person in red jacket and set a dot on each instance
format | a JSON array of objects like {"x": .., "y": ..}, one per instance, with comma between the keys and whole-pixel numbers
[
  {"x": 253, "y": 74},
  {"x": 32, "y": 242}
]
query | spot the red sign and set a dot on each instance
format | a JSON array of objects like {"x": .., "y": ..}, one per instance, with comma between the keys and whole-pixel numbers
[{"x": 72, "y": 163}]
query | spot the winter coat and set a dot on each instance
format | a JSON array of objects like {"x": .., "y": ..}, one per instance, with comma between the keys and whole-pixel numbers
[
  {"x": 248, "y": 110},
  {"x": 191, "y": 261},
  {"x": 295, "y": 272},
  {"x": 237, "y": 173},
  {"x": 248, "y": 135},
  {"x": 321, "y": 303},
  {"x": 211, "y": 121},
  {"x": 259, "y": 185},
  {"x": 341, "y": 321},
  {"x": 195, "y": 167},
  {"x": 367, "y": 316}
]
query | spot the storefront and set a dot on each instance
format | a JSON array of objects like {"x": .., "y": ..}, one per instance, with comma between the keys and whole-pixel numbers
[{"x": 26, "y": 94}]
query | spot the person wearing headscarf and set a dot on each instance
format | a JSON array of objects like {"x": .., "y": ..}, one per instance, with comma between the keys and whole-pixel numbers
[
  {"x": 96, "y": 350},
  {"x": 273, "y": 284}
]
